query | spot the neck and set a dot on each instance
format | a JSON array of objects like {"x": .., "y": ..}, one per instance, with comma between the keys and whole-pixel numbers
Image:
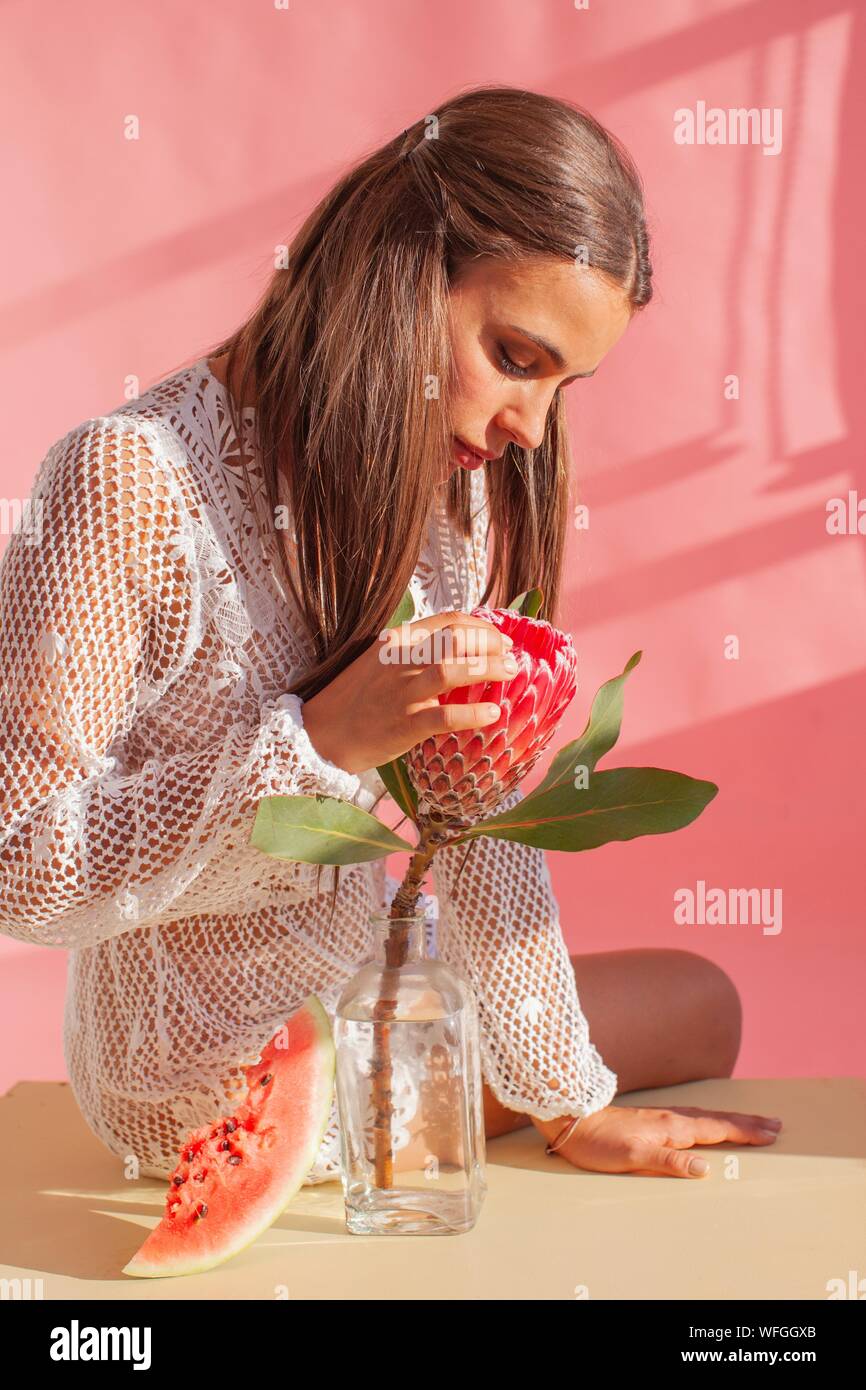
[{"x": 217, "y": 365}]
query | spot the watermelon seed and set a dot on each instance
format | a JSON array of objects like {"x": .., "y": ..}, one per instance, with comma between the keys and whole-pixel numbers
[
  {"x": 234, "y": 1158},
  {"x": 266, "y": 1078},
  {"x": 189, "y": 1155},
  {"x": 226, "y": 1144},
  {"x": 178, "y": 1179},
  {"x": 201, "y": 1210},
  {"x": 229, "y": 1126},
  {"x": 199, "y": 1177}
]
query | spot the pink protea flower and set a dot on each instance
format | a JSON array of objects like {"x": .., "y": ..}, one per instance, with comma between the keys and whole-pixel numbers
[{"x": 462, "y": 776}]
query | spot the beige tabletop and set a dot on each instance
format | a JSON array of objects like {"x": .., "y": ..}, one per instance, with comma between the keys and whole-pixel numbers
[{"x": 775, "y": 1222}]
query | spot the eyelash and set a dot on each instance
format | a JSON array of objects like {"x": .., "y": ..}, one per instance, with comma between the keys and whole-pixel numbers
[{"x": 510, "y": 368}]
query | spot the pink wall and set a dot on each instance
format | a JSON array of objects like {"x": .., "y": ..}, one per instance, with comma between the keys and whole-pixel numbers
[{"x": 707, "y": 515}]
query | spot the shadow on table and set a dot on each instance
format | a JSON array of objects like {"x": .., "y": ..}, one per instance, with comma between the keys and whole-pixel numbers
[
  {"x": 68, "y": 1209},
  {"x": 821, "y": 1117}
]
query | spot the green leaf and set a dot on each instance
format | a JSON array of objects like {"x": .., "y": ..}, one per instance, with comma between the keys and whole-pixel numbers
[
  {"x": 620, "y": 804},
  {"x": 321, "y": 830},
  {"x": 404, "y": 612},
  {"x": 400, "y": 789},
  {"x": 599, "y": 735},
  {"x": 529, "y": 603}
]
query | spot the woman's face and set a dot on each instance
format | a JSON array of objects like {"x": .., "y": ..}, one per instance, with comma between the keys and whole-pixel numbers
[{"x": 505, "y": 381}]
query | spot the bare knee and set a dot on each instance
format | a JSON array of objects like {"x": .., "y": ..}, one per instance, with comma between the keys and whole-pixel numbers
[
  {"x": 660, "y": 1016},
  {"x": 719, "y": 1009}
]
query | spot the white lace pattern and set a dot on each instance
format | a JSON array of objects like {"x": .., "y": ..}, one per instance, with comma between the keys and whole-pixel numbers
[{"x": 146, "y": 645}]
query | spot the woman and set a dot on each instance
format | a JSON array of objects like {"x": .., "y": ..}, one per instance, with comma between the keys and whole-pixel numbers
[{"x": 197, "y": 629}]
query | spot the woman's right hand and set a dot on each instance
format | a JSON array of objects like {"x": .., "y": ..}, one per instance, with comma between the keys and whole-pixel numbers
[{"x": 386, "y": 700}]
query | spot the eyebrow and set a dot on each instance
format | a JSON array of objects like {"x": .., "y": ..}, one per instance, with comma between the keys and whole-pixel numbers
[{"x": 549, "y": 348}]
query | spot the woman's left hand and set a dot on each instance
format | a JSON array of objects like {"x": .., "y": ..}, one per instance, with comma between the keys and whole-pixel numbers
[{"x": 650, "y": 1139}]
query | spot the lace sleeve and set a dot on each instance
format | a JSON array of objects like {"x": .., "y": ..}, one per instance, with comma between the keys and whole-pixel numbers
[
  {"x": 99, "y": 612},
  {"x": 499, "y": 926}
]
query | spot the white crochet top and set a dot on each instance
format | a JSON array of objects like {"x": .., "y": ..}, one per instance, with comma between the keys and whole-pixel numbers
[{"x": 146, "y": 645}]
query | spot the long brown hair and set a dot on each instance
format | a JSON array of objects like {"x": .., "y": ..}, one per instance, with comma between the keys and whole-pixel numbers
[{"x": 349, "y": 353}]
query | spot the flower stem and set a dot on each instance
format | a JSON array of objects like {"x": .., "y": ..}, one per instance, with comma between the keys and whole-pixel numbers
[{"x": 432, "y": 836}]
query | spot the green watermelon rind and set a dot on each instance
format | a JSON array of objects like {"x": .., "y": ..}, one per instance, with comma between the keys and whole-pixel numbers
[{"x": 246, "y": 1235}]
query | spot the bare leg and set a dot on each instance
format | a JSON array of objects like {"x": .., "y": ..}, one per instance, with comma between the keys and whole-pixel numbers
[{"x": 658, "y": 1017}]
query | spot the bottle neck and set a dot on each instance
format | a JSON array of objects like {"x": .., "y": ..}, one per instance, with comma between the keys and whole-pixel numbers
[{"x": 399, "y": 939}]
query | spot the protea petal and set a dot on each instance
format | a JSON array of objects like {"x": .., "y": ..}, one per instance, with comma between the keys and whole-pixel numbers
[{"x": 462, "y": 776}]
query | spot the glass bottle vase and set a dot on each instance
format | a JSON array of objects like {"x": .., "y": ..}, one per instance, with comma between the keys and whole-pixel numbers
[{"x": 409, "y": 1089}]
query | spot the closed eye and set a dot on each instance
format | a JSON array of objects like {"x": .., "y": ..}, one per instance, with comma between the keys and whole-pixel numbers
[{"x": 510, "y": 368}]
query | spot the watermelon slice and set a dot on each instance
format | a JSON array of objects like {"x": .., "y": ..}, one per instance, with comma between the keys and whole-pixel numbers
[{"x": 236, "y": 1175}]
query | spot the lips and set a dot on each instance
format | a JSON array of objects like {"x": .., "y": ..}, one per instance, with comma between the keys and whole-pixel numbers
[{"x": 466, "y": 457}]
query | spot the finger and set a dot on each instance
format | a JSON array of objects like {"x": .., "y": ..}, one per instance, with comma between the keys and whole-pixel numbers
[
  {"x": 657, "y": 1159},
  {"x": 452, "y": 617},
  {"x": 741, "y": 1116},
  {"x": 454, "y": 675},
  {"x": 446, "y": 635},
  {"x": 444, "y": 719},
  {"x": 716, "y": 1129},
  {"x": 720, "y": 1126},
  {"x": 476, "y": 638}
]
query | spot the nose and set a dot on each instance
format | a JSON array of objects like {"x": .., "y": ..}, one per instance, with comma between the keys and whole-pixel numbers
[{"x": 525, "y": 421}]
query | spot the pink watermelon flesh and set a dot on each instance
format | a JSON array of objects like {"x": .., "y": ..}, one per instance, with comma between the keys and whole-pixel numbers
[{"x": 236, "y": 1175}]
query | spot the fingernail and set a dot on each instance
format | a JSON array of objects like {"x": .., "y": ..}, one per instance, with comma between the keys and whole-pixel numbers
[
  {"x": 510, "y": 663},
  {"x": 509, "y": 641},
  {"x": 769, "y": 1133},
  {"x": 492, "y": 711},
  {"x": 777, "y": 1124},
  {"x": 698, "y": 1165}
]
